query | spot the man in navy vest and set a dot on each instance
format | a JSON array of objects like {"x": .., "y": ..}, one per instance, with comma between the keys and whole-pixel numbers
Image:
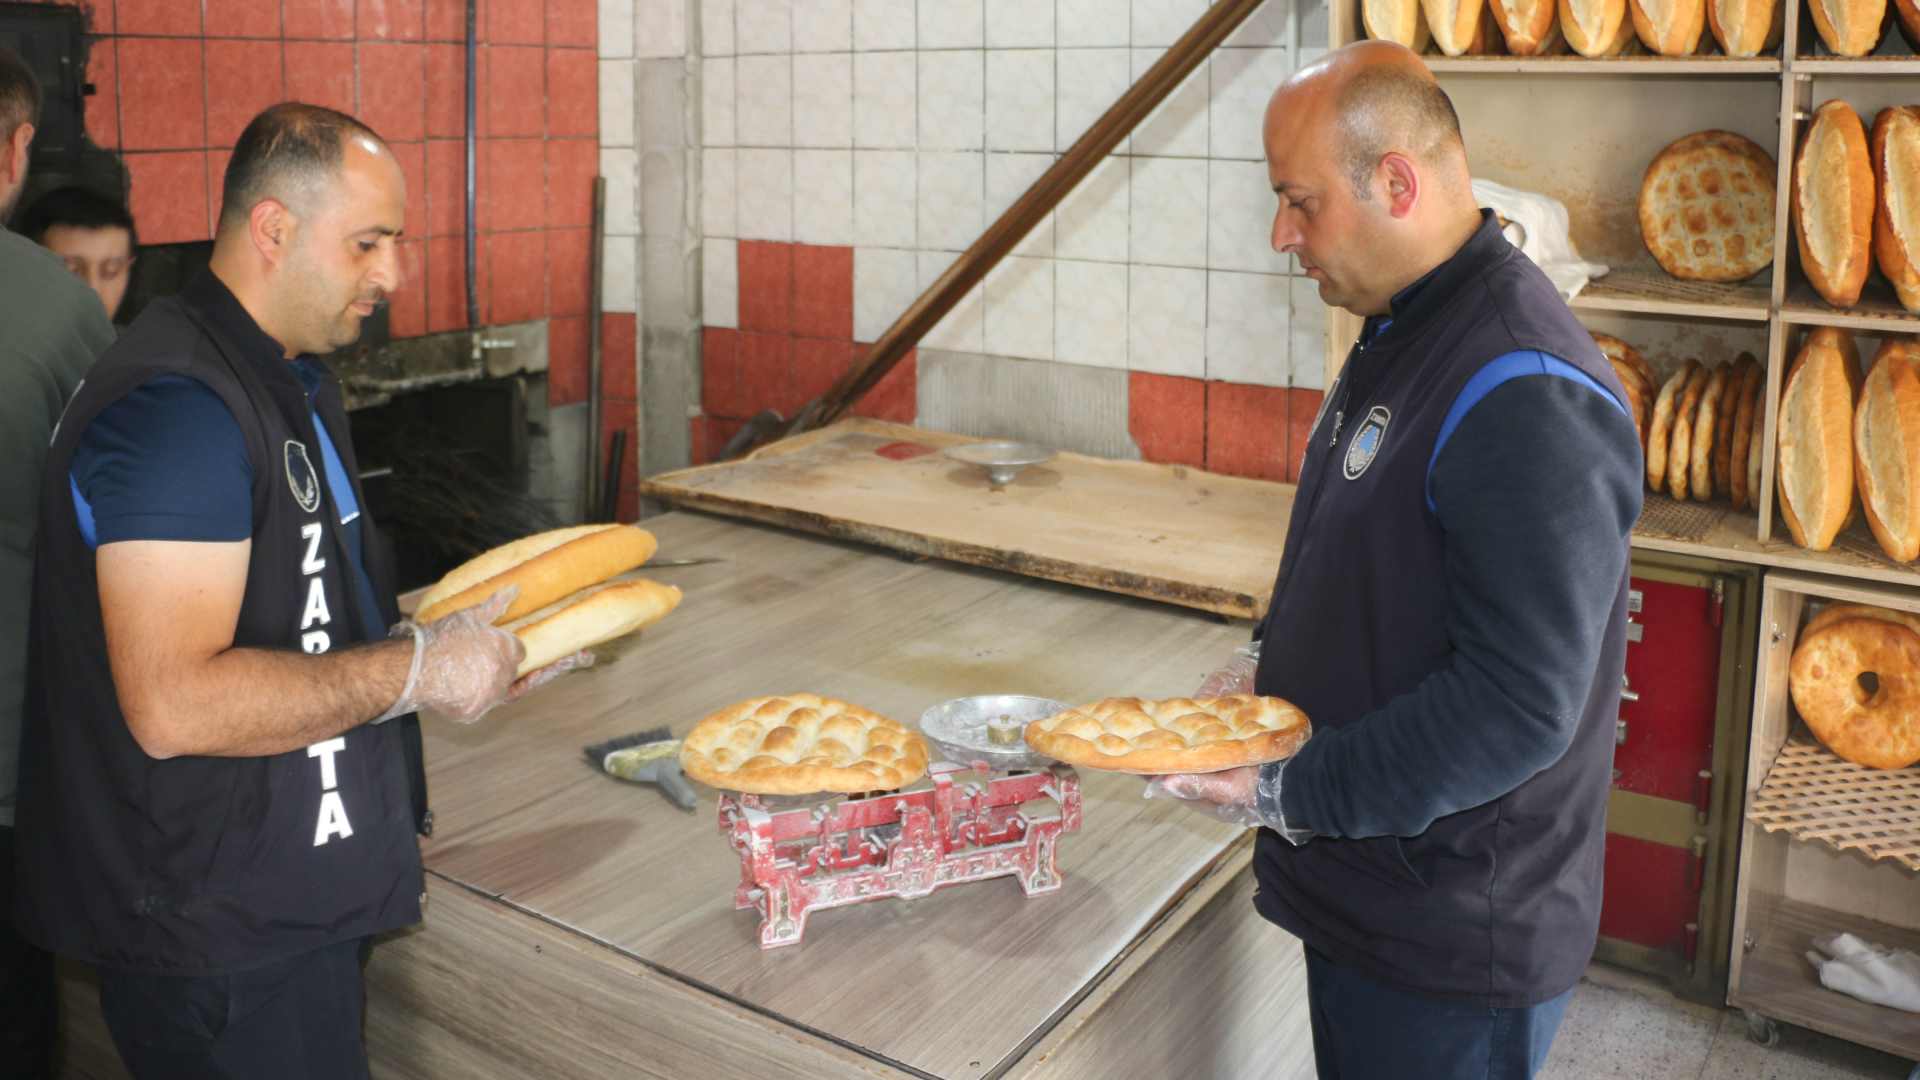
[
  {"x": 1450, "y": 610},
  {"x": 221, "y": 784}
]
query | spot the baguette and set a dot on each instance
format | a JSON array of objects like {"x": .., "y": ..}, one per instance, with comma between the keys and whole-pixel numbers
[
  {"x": 1850, "y": 27},
  {"x": 1400, "y": 21},
  {"x": 1669, "y": 27},
  {"x": 1886, "y": 448},
  {"x": 1596, "y": 27},
  {"x": 1833, "y": 203},
  {"x": 1746, "y": 27},
  {"x": 1908, "y": 16},
  {"x": 1706, "y": 428},
  {"x": 1746, "y": 419},
  {"x": 1896, "y": 210},
  {"x": 1660, "y": 431},
  {"x": 595, "y": 616},
  {"x": 1459, "y": 27},
  {"x": 546, "y": 567},
  {"x": 1530, "y": 27},
  {"x": 1815, "y": 462}
]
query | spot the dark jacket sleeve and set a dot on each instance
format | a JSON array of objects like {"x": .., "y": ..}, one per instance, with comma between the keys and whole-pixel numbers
[{"x": 1537, "y": 491}]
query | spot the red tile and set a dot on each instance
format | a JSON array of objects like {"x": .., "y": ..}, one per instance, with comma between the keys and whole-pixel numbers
[
  {"x": 407, "y": 307},
  {"x": 393, "y": 90},
  {"x": 178, "y": 17},
  {"x": 391, "y": 20},
  {"x": 571, "y": 166},
  {"x": 620, "y": 416},
  {"x": 569, "y": 273},
  {"x": 169, "y": 196},
  {"x": 330, "y": 19},
  {"x": 711, "y": 435},
  {"x": 517, "y": 264},
  {"x": 1302, "y": 407},
  {"x": 566, "y": 361},
  {"x": 766, "y": 370},
  {"x": 573, "y": 22},
  {"x": 103, "y": 105},
  {"x": 512, "y": 22},
  {"x": 823, "y": 292},
  {"x": 412, "y": 157},
  {"x": 512, "y": 189},
  {"x": 573, "y": 92},
  {"x": 242, "y": 18},
  {"x": 1167, "y": 417},
  {"x": 720, "y": 385},
  {"x": 446, "y": 187},
  {"x": 1247, "y": 430},
  {"x": 163, "y": 101},
  {"x": 446, "y": 91},
  {"x": 447, "y": 283},
  {"x": 896, "y": 397},
  {"x": 216, "y": 183},
  {"x": 766, "y": 286},
  {"x": 446, "y": 20},
  {"x": 321, "y": 73},
  {"x": 619, "y": 356},
  {"x": 816, "y": 365},
  {"x": 628, "y": 510},
  {"x": 243, "y": 77},
  {"x": 516, "y": 91}
]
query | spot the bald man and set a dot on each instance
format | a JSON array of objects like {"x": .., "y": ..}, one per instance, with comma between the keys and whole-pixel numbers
[
  {"x": 221, "y": 778},
  {"x": 1450, "y": 609}
]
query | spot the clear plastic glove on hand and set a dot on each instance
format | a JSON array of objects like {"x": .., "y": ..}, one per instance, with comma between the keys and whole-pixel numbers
[
  {"x": 539, "y": 677},
  {"x": 1231, "y": 795},
  {"x": 463, "y": 665},
  {"x": 1236, "y": 677},
  {"x": 1870, "y": 972}
]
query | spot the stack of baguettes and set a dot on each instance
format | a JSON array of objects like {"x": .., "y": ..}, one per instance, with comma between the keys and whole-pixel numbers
[
  {"x": 1704, "y": 433},
  {"x": 1840, "y": 435},
  {"x": 1593, "y": 28},
  {"x": 568, "y": 599},
  {"x": 1856, "y": 27},
  {"x": 1856, "y": 201}
]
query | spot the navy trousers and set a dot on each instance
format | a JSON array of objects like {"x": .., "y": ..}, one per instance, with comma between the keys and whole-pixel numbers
[{"x": 1367, "y": 1030}]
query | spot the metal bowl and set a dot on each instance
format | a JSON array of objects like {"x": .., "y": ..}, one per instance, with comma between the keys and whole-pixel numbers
[
  {"x": 958, "y": 729},
  {"x": 1003, "y": 459}
]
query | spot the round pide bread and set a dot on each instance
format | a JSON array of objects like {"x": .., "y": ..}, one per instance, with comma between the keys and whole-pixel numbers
[
  {"x": 799, "y": 744},
  {"x": 1879, "y": 728},
  {"x": 1175, "y": 735},
  {"x": 1706, "y": 207}
]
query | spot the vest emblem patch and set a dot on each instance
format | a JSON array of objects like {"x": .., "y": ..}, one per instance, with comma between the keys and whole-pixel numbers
[
  {"x": 301, "y": 479},
  {"x": 1365, "y": 443}
]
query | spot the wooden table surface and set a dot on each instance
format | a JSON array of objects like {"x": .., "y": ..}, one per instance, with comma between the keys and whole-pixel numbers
[{"x": 952, "y": 984}]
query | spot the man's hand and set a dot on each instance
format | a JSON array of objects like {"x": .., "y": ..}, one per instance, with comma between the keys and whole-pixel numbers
[
  {"x": 1229, "y": 795},
  {"x": 539, "y": 677},
  {"x": 466, "y": 663}
]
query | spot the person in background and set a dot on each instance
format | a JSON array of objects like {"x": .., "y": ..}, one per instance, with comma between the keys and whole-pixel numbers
[
  {"x": 93, "y": 234},
  {"x": 51, "y": 328}
]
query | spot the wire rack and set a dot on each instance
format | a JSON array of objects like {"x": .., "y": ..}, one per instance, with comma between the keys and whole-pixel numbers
[{"x": 1811, "y": 794}]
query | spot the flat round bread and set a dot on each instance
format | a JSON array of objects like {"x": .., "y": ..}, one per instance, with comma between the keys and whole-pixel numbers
[
  {"x": 1660, "y": 429},
  {"x": 593, "y": 617},
  {"x": 1619, "y": 352},
  {"x": 1724, "y": 413},
  {"x": 1706, "y": 207},
  {"x": 1680, "y": 448},
  {"x": 1834, "y": 613},
  {"x": 1873, "y": 722},
  {"x": 1176, "y": 735},
  {"x": 800, "y": 744},
  {"x": 1746, "y": 420},
  {"x": 1706, "y": 427}
]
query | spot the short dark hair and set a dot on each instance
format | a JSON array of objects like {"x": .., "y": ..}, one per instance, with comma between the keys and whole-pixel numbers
[
  {"x": 288, "y": 146},
  {"x": 74, "y": 207},
  {"x": 19, "y": 93},
  {"x": 1383, "y": 109}
]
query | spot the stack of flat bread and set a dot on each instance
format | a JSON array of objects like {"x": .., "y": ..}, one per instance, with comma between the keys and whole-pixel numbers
[
  {"x": 1856, "y": 202},
  {"x": 1705, "y": 432}
]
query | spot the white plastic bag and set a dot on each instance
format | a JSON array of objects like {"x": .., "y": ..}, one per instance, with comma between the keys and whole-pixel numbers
[
  {"x": 1870, "y": 972},
  {"x": 1539, "y": 227}
]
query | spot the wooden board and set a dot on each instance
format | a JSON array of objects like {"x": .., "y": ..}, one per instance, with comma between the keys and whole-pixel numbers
[
  {"x": 1169, "y": 533},
  {"x": 954, "y": 984}
]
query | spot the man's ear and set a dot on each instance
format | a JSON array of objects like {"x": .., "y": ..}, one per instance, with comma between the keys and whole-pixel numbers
[
  {"x": 1401, "y": 179},
  {"x": 270, "y": 229},
  {"x": 18, "y": 148}
]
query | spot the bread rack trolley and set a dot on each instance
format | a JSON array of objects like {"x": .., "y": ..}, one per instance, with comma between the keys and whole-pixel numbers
[{"x": 801, "y": 855}]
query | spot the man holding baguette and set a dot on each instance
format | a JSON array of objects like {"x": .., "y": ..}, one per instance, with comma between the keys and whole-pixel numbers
[
  {"x": 1450, "y": 609},
  {"x": 221, "y": 777}
]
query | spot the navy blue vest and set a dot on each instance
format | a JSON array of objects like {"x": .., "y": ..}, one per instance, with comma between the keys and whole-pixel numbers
[{"x": 1499, "y": 903}]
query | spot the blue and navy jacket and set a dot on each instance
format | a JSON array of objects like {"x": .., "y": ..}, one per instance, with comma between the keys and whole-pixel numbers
[{"x": 1451, "y": 613}]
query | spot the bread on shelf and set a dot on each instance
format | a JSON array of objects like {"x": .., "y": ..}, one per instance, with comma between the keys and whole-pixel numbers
[
  {"x": 1746, "y": 28},
  {"x": 1815, "y": 460},
  {"x": 1907, "y": 14},
  {"x": 1400, "y": 21},
  {"x": 1529, "y": 27},
  {"x": 1706, "y": 207},
  {"x": 1461, "y": 27},
  {"x": 1886, "y": 448},
  {"x": 1596, "y": 28},
  {"x": 1895, "y": 152},
  {"x": 1849, "y": 27},
  {"x": 1669, "y": 27},
  {"x": 1833, "y": 203}
]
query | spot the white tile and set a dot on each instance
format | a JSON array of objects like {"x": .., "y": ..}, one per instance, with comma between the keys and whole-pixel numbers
[
  {"x": 1243, "y": 81},
  {"x": 1089, "y": 23},
  {"x": 659, "y": 28},
  {"x": 885, "y": 96},
  {"x": 1019, "y": 24},
  {"x": 1178, "y": 128},
  {"x": 951, "y": 24},
  {"x": 823, "y": 100},
  {"x": 884, "y": 182},
  {"x": 884, "y": 281},
  {"x": 1247, "y": 318},
  {"x": 718, "y": 87},
  {"x": 1008, "y": 177},
  {"x": 716, "y": 27},
  {"x": 951, "y": 198},
  {"x": 1160, "y": 23},
  {"x": 822, "y": 26},
  {"x": 1092, "y": 219},
  {"x": 616, "y": 28},
  {"x": 952, "y": 109},
  {"x": 1307, "y": 356},
  {"x": 1267, "y": 26},
  {"x": 823, "y": 197},
  {"x": 720, "y": 283},
  {"x": 616, "y": 103},
  {"x": 1168, "y": 211},
  {"x": 1019, "y": 311},
  {"x": 620, "y": 274},
  {"x": 962, "y": 329},
  {"x": 1167, "y": 320},
  {"x": 1020, "y": 99},
  {"x": 765, "y": 116},
  {"x": 1240, "y": 208},
  {"x": 1090, "y": 313},
  {"x": 719, "y": 196},
  {"x": 763, "y": 26},
  {"x": 883, "y": 24},
  {"x": 621, "y": 167},
  {"x": 1090, "y": 81},
  {"x": 766, "y": 194}
]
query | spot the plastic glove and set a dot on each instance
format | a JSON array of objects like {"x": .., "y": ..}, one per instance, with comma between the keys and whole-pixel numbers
[
  {"x": 463, "y": 665},
  {"x": 1230, "y": 796},
  {"x": 1234, "y": 678},
  {"x": 539, "y": 677},
  {"x": 1870, "y": 972}
]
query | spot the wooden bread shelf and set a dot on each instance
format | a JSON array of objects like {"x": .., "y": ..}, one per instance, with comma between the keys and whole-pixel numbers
[
  {"x": 1877, "y": 312},
  {"x": 1616, "y": 65},
  {"x": 1864, "y": 65},
  {"x": 1717, "y": 531},
  {"x": 1647, "y": 290},
  {"x": 1779, "y": 981},
  {"x": 1812, "y": 794}
]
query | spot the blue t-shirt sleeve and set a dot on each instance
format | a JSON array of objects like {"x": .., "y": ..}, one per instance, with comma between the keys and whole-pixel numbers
[{"x": 165, "y": 462}]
